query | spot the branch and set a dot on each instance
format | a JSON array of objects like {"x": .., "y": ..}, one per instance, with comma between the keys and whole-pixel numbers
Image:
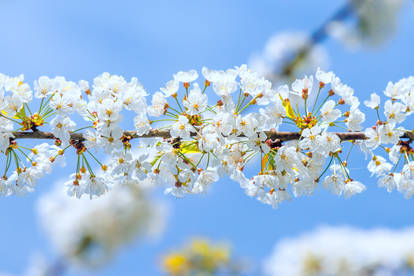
[
  {"x": 155, "y": 133},
  {"x": 318, "y": 36}
]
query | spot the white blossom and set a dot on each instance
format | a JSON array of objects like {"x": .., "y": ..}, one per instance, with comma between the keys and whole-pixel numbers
[{"x": 343, "y": 250}]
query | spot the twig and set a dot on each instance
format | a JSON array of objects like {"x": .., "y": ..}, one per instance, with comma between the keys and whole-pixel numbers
[{"x": 318, "y": 36}]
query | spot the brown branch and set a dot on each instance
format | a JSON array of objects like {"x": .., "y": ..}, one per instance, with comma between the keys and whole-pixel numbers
[{"x": 281, "y": 135}]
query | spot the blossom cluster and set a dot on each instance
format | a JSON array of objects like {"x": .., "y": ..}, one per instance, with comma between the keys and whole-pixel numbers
[
  {"x": 356, "y": 24},
  {"x": 344, "y": 251},
  {"x": 373, "y": 23},
  {"x": 122, "y": 215},
  {"x": 281, "y": 50},
  {"x": 385, "y": 138},
  {"x": 193, "y": 142}
]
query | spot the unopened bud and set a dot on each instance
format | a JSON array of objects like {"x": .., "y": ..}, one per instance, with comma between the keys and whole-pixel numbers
[
  {"x": 321, "y": 85},
  {"x": 58, "y": 142}
]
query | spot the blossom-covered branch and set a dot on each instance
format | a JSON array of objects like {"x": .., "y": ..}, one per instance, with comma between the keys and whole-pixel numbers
[
  {"x": 357, "y": 23},
  {"x": 300, "y": 135},
  {"x": 318, "y": 36}
]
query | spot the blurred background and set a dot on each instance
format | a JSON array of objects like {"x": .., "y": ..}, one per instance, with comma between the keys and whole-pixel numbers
[{"x": 153, "y": 40}]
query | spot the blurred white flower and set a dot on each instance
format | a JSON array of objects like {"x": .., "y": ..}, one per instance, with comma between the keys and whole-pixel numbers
[
  {"x": 344, "y": 251},
  {"x": 88, "y": 232},
  {"x": 281, "y": 49},
  {"x": 376, "y": 20},
  {"x": 38, "y": 266}
]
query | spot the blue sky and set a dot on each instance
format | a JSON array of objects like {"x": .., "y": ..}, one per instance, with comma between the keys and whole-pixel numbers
[{"x": 154, "y": 39}]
